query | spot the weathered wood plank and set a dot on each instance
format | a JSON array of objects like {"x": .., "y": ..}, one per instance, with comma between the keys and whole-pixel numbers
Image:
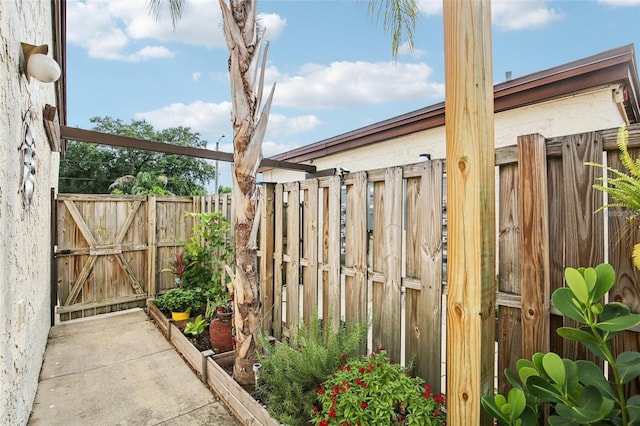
[
  {"x": 277, "y": 259},
  {"x": 310, "y": 251},
  {"x": 293, "y": 250},
  {"x": 152, "y": 248},
  {"x": 622, "y": 237},
  {"x": 509, "y": 320},
  {"x": 332, "y": 239},
  {"x": 424, "y": 307},
  {"x": 356, "y": 249},
  {"x": 534, "y": 244},
  {"x": 583, "y": 229},
  {"x": 390, "y": 307},
  {"x": 267, "y": 232}
]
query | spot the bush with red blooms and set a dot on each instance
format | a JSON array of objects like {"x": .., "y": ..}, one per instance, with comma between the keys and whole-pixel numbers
[{"x": 374, "y": 390}]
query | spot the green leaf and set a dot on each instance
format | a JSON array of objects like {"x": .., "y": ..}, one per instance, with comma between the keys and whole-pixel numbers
[
  {"x": 606, "y": 280},
  {"x": 562, "y": 299},
  {"x": 543, "y": 389},
  {"x": 589, "y": 374},
  {"x": 577, "y": 284},
  {"x": 628, "y": 365},
  {"x": 577, "y": 335},
  {"x": 633, "y": 410},
  {"x": 590, "y": 277},
  {"x": 526, "y": 372},
  {"x": 518, "y": 402},
  {"x": 619, "y": 323},
  {"x": 554, "y": 367},
  {"x": 562, "y": 421},
  {"x": 488, "y": 402}
]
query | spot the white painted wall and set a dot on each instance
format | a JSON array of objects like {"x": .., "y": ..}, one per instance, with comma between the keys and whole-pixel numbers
[
  {"x": 583, "y": 112},
  {"x": 25, "y": 243}
]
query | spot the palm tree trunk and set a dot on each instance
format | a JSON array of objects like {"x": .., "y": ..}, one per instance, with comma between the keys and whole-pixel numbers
[{"x": 244, "y": 43}]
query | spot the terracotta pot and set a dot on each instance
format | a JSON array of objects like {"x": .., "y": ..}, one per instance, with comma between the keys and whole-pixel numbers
[{"x": 220, "y": 333}]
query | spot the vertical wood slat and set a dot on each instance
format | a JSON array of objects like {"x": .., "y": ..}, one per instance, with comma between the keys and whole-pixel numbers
[
  {"x": 293, "y": 250},
  {"x": 267, "y": 232},
  {"x": 424, "y": 322},
  {"x": 509, "y": 320},
  {"x": 622, "y": 237},
  {"x": 392, "y": 249},
  {"x": 332, "y": 224},
  {"x": 356, "y": 249},
  {"x": 310, "y": 251},
  {"x": 534, "y": 244},
  {"x": 377, "y": 264},
  {"x": 557, "y": 244},
  {"x": 277, "y": 262},
  {"x": 584, "y": 229},
  {"x": 152, "y": 247}
]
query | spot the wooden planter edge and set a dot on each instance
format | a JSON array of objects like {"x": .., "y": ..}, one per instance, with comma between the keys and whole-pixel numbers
[{"x": 243, "y": 406}]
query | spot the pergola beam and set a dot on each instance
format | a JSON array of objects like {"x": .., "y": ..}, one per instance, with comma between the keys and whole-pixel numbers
[{"x": 74, "y": 133}]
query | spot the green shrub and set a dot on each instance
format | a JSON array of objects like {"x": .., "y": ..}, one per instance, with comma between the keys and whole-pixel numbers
[
  {"x": 196, "y": 327},
  {"x": 576, "y": 391},
  {"x": 372, "y": 390},
  {"x": 180, "y": 300},
  {"x": 291, "y": 374}
]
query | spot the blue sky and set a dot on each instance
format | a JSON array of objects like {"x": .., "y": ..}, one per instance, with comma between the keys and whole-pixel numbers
[{"x": 330, "y": 60}]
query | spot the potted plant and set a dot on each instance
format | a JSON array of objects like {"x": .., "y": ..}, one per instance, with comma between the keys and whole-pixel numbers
[
  {"x": 180, "y": 302},
  {"x": 178, "y": 266}
]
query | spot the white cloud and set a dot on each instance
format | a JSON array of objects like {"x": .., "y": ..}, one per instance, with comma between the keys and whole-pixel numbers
[
  {"x": 519, "y": 15},
  {"x": 196, "y": 75},
  {"x": 205, "y": 118},
  {"x": 211, "y": 119},
  {"x": 271, "y": 148},
  {"x": 342, "y": 84},
  {"x": 107, "y": 28},
  {"x": 513, "y": 15}
]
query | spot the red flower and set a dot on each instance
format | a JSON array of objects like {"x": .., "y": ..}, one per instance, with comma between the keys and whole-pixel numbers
[
  {"x": 340, "y": 367},
  {"x": 426, "y": 393},
  {"x": 343, "y": 358},
  {"x": 361, "y": 370},
  {"x": 332, "y": 412},
  {"x": 436, "y": 413},
  {"x": 364, "y": 405},
  {"x": 380, "y": 348},
  {"x": 439, "y": 399},
  {"x": 321, "y": 390},
  {"x": 316, "y": 410},
  {"x": 324, "y": 423},
  {"x": 348, "y": 368}
]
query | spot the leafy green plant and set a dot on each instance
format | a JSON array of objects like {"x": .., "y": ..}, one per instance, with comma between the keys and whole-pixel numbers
[
  {"x": 179, "y": 300},
  {"x": 178, "y": 266},
  {"x": 577, "y": 391},
  {"x": 290, "y": 374},
  {"x": 375, "y": 390},
  {"x": 209, "y": 248},
  {"x": 196, "y": 327},
  {"x": 623, "y": 187}
]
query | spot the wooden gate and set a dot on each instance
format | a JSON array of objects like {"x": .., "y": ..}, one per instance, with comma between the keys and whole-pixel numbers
[{"x": 100, "y": 254}]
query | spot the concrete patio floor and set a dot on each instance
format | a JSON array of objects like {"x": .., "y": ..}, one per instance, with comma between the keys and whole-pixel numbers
[{"x": 118, "y": 369}]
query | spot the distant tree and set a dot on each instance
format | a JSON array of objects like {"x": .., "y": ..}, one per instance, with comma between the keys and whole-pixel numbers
[
  {"x": 88, "y": 168},
  {"x": 143, "y": 183},
  {"x": 224, "y": 189}
]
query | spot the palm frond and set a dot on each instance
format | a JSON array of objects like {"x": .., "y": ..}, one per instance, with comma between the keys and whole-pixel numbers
[
  {"x": 623, "y": 188},
  {"x": 399, "y": 17},
  {"x": 157, "y": 8}
]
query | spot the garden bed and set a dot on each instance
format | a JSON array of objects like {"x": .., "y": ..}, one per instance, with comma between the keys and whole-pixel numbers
[{"x": 212, "y": 370}]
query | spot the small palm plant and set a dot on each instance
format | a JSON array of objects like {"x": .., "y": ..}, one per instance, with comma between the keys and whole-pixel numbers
[{"x": 623, "y": 187}]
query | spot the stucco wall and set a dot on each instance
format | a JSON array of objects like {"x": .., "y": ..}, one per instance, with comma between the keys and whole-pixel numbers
[
  {"x": 25, "y": 243},
  {"x": 583, "y": 112}
]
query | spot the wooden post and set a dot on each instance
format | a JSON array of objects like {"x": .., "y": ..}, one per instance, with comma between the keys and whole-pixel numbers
[
  {"x": 471, "y": 209},
  {"x": 266, "y": 256},
  {"x": 152, "y": 247},
  {"x": 534, "y": 244}
]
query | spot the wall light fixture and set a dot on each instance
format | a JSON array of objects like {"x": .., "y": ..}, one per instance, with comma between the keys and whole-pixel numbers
[{"x": 38, "y": 65}]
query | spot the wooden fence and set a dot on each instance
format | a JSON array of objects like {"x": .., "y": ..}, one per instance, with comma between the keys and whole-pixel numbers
[
  {"x": 372, "y": 245},
  {"x": 110, "y": 250}
]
